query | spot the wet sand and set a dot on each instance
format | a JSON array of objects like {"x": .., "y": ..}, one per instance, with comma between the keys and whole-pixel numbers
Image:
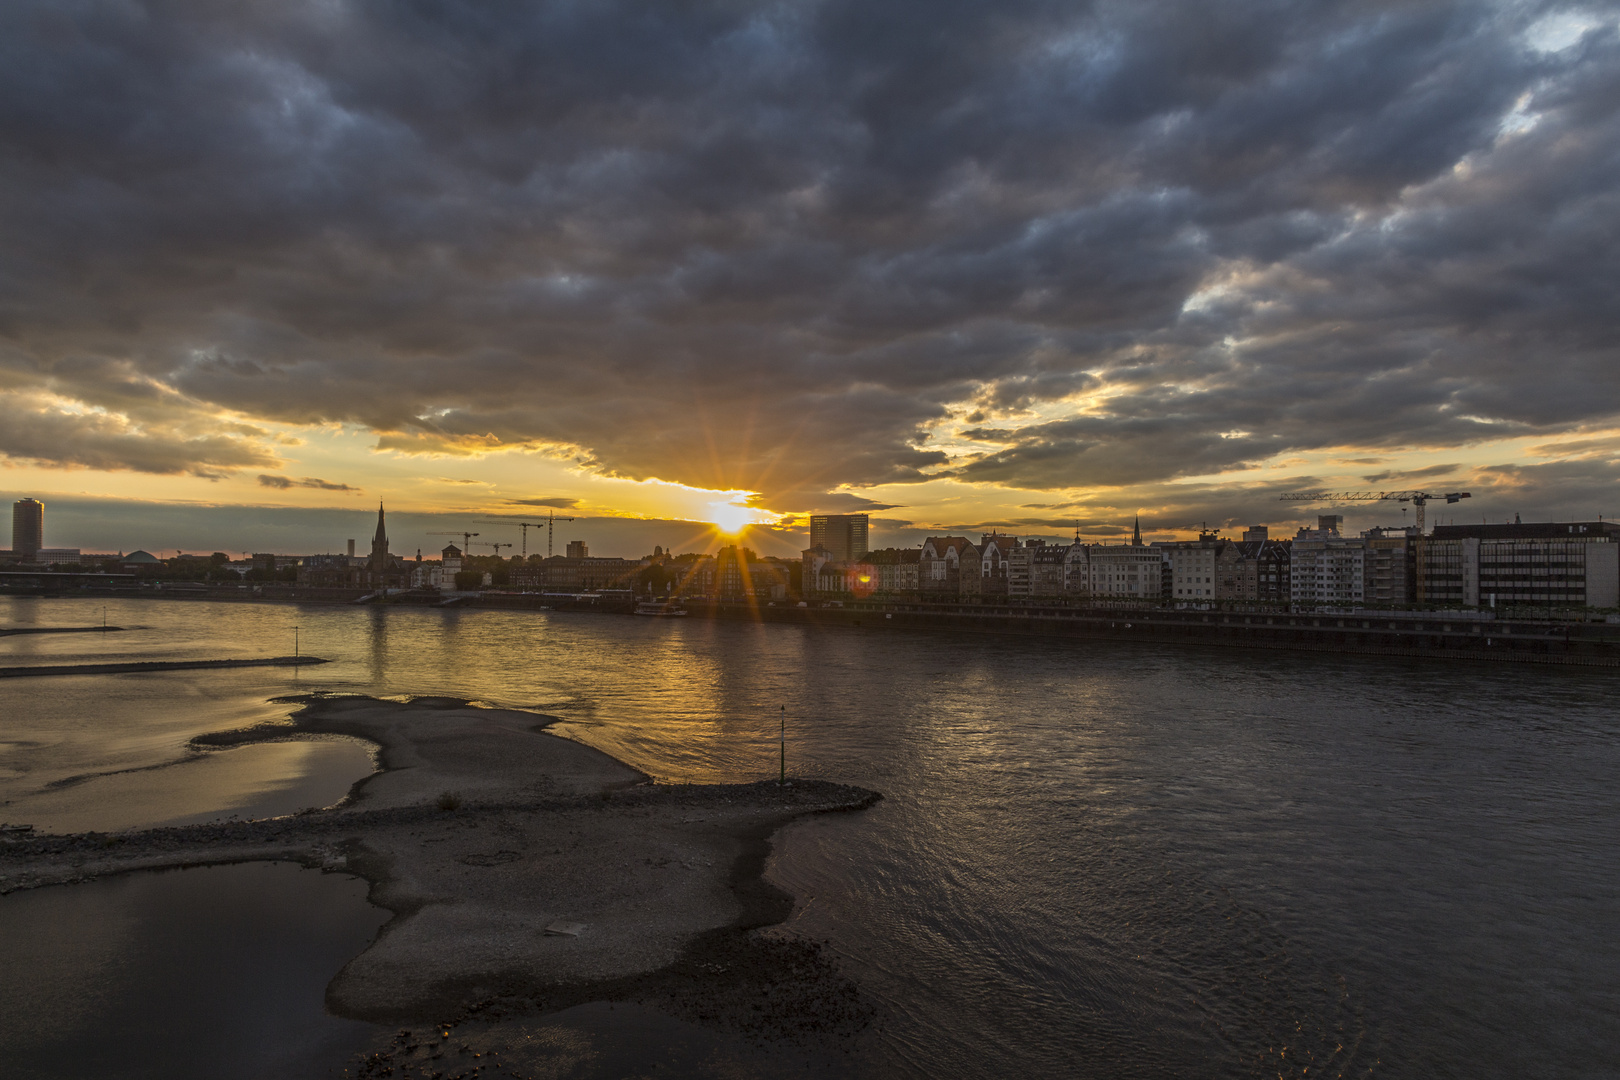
[{"x": 481, "y": 832}]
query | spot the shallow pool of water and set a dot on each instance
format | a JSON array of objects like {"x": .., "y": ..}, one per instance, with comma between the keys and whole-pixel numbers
[{"x": 208, "y": 973}]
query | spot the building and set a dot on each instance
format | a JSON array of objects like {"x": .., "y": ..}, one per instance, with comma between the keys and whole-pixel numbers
[
  {"x": 1390, "y": 567},
  {"x": 1077, "y": 568},
  {"x": 892, "y": 570},
  {"x": 576, "y": 573},
  {"x": 449, "y": 567},
  {"x": 330, "y": 572},
  {"x": 1263, "y": 570},
  {"x": 27, "y": 529},
  {"x": 844, "y": 535},
  {"x": 384, "y": 571},
  {"x": 944, "y": 562},
  {"x": 1126, "y": 572},
  {"x": 1547, "y": 564},
  {"x": 995, "y": 560},
  {"x": 1200, "y": 571},
  {"x": 577, "y": 550},
  {"x": 1327, "y": 570}
]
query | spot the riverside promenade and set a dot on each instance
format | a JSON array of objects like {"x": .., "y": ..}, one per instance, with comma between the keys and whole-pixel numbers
[{"x": 1440, "y": 635}]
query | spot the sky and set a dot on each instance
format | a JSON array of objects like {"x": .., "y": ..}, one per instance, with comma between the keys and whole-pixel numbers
[{"x": 1034, "y": 266}]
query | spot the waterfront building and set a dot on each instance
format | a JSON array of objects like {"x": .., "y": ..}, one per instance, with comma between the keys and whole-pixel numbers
[
  {"x": 1200, "y": 571},
  {"x": 844, "y": 535},
  {"x": 1077, "y": 568},
  {"x": 995, "y": 554},
  {"x": 1263, "y": 570},
  {"x": 1036, "y": 568},
  {"x": 27, "y": 529},
  {"x": 1327, "y": 569},
  {"x": 1545, "y": 564},
  {"x": 892, "y": 570},
  {"x": 330, "y": 572},
  {"x": 1126, "y": 572},
  {"x": 565, "y": 573},
  {"x": 945, "y": 562},
  {"x": 449, "y": 567},
  {"x": 1390, "y": 567}
]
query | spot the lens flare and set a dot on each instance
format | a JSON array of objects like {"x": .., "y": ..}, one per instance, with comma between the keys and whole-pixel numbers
[{"x": 732, "y": 519}]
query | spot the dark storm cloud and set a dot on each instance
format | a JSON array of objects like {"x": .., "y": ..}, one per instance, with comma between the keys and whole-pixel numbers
[{"x": 779, "y": 247}]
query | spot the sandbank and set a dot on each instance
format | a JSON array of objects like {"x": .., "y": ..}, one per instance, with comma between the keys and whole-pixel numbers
[{"x": 656, "y": 886}]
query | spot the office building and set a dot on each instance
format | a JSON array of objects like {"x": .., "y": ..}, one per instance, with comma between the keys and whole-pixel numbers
[
  {"x": 27, "y": 529},
  {"x": 578, "y": 550},
  {"x": 844, "y": 535},
  {"x": 1546, "y": 564}
]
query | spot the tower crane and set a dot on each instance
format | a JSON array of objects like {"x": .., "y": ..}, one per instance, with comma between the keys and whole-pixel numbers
[
  {"x": 496, "y": 546},
  {"x": 1419, "y": 499},
  {"x": 550, "y": 525},
  {"x": 466, "y": 539}
]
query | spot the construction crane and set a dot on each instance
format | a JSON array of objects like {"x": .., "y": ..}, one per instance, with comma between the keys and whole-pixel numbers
[
  {"x": 466, "y": 539},
  {"x": 496, "y": 546},
  {"x": 550, "y": 525},
  {"x": 1419, "y": 499}
]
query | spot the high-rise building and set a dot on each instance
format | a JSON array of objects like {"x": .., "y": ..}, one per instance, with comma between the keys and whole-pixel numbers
[
  {"x": 27, "y": 529},
  {"x": 844, "y": 535},
  {"x": 577, "y": 549}
]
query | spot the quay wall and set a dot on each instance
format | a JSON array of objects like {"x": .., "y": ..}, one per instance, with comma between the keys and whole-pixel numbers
[{"x": 1437, "y": 635}]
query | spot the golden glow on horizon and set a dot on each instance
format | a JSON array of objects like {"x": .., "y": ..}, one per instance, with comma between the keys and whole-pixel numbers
[{"x": 732, "y": 519}]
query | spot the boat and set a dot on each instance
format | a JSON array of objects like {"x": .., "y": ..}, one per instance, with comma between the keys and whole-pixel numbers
[{"x": 657, "y": 607}]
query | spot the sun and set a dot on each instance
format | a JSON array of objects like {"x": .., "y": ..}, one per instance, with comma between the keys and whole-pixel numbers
[{"x": 732, "y": 519}]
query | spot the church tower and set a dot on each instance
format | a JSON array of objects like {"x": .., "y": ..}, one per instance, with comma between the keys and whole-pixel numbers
[
  {"x": 1136, "y": 537},
  {"x": 379, "y": 551}
]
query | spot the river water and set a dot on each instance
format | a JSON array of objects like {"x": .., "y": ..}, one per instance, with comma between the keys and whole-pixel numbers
[{"x": 1092, "y": 860}]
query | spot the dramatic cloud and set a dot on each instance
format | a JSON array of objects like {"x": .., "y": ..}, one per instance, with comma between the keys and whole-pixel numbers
[
  {"x": 283, "y": 483},
  {"x": 806, "y": 248}
]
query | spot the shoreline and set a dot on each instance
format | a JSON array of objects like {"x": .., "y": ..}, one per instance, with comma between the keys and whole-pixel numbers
[
  {"x": 1418, "y": 634},
  {"x": 136, "y": 667},
  {"x": 668, "y": 880}
]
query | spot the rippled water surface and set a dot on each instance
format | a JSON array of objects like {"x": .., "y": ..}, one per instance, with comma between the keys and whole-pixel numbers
[{"x": 1092, "y": 860}]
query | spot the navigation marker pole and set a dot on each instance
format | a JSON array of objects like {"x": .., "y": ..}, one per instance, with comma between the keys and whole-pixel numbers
[
  {"x": 295, "y": 642},
  {"x": 782, "y": 780}
]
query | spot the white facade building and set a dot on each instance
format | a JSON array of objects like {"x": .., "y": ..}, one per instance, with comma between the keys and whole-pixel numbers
[
  {"x": 1327, "y": 569},
  {"x": 1126, "y": 572}
]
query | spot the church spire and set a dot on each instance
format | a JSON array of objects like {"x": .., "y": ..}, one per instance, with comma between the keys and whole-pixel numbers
[
  {"x": 382, "y": 533},
  {"x": 1136, "y": 537}
]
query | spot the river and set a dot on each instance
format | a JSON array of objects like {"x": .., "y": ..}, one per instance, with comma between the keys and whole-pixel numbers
[{"x": 1093, "y": 859}]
